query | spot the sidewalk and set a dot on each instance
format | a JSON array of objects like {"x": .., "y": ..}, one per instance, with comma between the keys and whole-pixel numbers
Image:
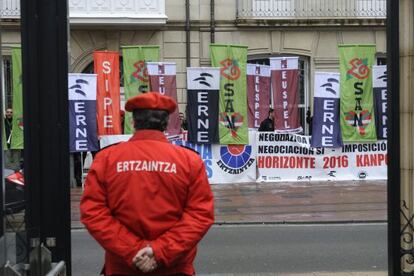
[{"x": 293, "y": 202}]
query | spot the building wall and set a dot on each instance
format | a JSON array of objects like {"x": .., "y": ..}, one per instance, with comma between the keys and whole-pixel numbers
[
  {"x": 407, "y": 132},
  {"x": 316, "y": 41},
  {"x": 319, "y": 46}
]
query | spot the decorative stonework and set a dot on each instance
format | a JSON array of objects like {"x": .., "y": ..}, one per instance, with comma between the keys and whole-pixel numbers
[
  {"x": 103, "y": 12},
  {"x": 10, "y": 9},
  {"x": 117, "y": 11}
]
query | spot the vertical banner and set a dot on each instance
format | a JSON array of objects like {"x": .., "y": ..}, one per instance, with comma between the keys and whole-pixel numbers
[
  {"x": 163, "y": 79},
  {"x": 106, "y": 65},
  {"x": 203, "y": 86},
  {"x": 357, "y": 108},
  {"x": 17, "y": 140},
  {"x": 232, "y": 60},
  {"x": 381, "y": 96},
  {"x": 285, "y": 86},
  {"x": 136, "y": 79},
  {"x": 82, "y": 113},
  {"x": 325, "y": 123},
  {"x": 258, "y": 93}
]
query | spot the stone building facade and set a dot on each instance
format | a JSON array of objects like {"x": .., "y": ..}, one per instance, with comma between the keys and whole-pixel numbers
[{"x": 309, "y": 29}]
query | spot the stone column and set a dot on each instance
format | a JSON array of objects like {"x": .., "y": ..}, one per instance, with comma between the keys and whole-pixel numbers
[{"x": 407, "y": 131}]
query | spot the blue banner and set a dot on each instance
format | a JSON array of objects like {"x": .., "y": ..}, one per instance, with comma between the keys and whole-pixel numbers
[
  {"x": 203, "y": 86},
  {"x": 82, "y": 113},
  {"x": 380, "y": 95},
  {"x": 325, "y": 123}
]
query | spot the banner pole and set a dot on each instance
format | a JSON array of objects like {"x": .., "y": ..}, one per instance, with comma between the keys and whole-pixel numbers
[{"x": 81, "y": 158}]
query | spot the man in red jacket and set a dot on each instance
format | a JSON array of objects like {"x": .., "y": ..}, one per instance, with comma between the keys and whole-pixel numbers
[{"x": 146, "y": 201}]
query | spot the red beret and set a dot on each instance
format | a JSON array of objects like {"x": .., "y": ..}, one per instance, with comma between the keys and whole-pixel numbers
[{"x": 151, "y": 100}]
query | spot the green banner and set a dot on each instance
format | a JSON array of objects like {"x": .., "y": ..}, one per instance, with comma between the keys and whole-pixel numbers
[
  {"x": 17, "y": 124},
  {"x": 356, "y": 102},
  {"x": 232, "y": 61},
  {"x": 136, "y": 79}
]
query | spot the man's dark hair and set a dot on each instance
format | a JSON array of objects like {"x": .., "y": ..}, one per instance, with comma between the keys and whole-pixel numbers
[{"x": 150, "y": 119}]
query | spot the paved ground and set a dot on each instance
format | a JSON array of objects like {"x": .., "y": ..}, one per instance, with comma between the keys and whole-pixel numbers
[
  {"x": 299, "y": 202},
  {"x": 293, "y": 202},
  {"x": 275, "y": 249}
]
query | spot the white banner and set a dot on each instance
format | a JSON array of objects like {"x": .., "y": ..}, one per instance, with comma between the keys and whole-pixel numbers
[
  {"x": 288, "y": 157},
  {"x": 285, "y": 157},
  {"x": 227, "y": 163}
]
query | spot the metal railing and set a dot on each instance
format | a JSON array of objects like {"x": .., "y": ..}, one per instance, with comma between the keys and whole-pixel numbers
[
  {"x": 10, "y": 9},
  {"x": 310, "y": 9}
]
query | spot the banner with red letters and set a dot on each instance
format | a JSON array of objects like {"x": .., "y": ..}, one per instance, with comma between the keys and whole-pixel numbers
[
  {"x": 289, "y": 157},
  {"x": 163, "y": 79},
  {"x": 258, "y": 93},
  {"x": 283, "y": 158},
  {"x": 285, "y": 87},
  {"x": 106, "y": 66}
]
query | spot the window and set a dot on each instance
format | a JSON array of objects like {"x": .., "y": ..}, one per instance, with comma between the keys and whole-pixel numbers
[{"x": 303, "y": 86}]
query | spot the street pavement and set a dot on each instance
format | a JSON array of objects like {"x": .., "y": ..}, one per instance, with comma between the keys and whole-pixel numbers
[
  {"x": 295, "y": 249},
  {"x": 291, "y": 202},
  {"x": 337, "y": 206}
]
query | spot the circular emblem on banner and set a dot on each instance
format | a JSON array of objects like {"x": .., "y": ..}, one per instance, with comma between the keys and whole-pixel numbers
[{"x": 235, "y": 156}]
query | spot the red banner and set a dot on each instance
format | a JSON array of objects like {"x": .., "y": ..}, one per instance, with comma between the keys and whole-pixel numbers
[
  {"x": 285, "y": 84},
  {"x": 163, "y": 79},
  {"x": 258, "y": 93},
  {"x": 106, "y": 66}
]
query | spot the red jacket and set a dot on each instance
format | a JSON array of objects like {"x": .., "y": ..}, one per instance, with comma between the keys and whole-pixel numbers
[{"x": 147, "y": 191}]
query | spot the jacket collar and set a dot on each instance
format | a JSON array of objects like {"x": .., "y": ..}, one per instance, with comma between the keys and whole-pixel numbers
[{"x": 149, "y": 134}]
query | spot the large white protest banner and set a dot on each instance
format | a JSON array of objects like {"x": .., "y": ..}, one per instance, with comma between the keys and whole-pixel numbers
[{"x": 289, "y": 157}]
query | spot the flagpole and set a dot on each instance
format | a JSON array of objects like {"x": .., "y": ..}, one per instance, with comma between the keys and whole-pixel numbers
[{"x": 81, "y": 158}]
